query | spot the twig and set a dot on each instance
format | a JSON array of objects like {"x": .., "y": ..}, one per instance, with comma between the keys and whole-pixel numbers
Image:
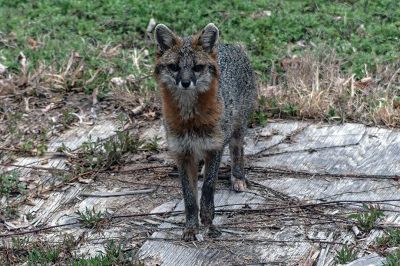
[
  {"x": 257, "y": 240},
  {"x": 315, "y": 174},
  {"x": 392, "y": 78},
  {"x": 147, "y": 167},
  {"x": 38, "y": 230},
  {"x": 74, "y": 223},
  {"x": 310, "y": 150},
  {"x": 238, "y": 211},
  {"x": 141, "y": 183},
  {"x": 34, "y": 167},
  {"x": 53, "y": 154},
  {"x": 303, "y": 206},
  {"x": 118, "y": 194}
]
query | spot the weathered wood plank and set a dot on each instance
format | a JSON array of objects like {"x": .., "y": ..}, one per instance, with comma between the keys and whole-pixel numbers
[
  {"x": 298, "y": 146},
  {"x": 370, "y": 260},
  {"x": 44, "y": 209},
  {"x": 337, "y": 149}
]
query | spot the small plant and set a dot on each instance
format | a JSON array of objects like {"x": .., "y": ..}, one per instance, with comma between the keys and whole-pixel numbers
[
  {"x": 67, "y": 118},
  {"x": 290, "y": 109},
  {"x": 90, "y": 218},
  {"x": 63, "y": 148},
  {"x": 27, "y": 146},
  {"x": 259, "y": 116},
  {"x": 102, "y": 155},
  {"x": 113, "y": 255},
  {"x": 23, "y": 251},
  {"x": 152, "y": 144},
  {"x": 367, "y": 219},
  {"x": 43, "y": 255},
  {"x": 9, "y": 212},
  {"x": 32, "y": 147},
  {"x": 20, "y": 242},
  {"x": 390, "y": 239},
  {"x": 9, "y": 183},
  {"x": 345, "y": 255},
  {"x": 393, "y": 259},
  {"x": 114, "y": 251},
  {"x": 41, "y": 149},
  {"x": 122, "y": 119},
  {"x": 332, "y": 114}
]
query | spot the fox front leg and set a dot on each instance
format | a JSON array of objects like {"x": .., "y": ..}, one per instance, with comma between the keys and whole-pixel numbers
[
  {"x": 187, "y": 167},
  {"x": 207, "y": 209}
]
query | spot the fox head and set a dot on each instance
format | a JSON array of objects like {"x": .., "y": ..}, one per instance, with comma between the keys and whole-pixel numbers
[{"x": 186, "y": 64}]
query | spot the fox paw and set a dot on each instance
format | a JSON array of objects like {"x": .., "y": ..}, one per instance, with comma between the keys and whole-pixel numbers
[
  {"x": 189, "y": 234},
  {"x": 239, "y": 185}
]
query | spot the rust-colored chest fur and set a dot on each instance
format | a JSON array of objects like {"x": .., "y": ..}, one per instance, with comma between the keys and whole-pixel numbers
[{"x": 206, "y": 114}]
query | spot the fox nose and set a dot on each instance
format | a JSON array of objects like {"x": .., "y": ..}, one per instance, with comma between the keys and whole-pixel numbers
[{"x": 185, "y": 83}]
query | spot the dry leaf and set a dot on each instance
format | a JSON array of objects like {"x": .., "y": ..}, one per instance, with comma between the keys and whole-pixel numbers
[{"x": 32, "y": 43}]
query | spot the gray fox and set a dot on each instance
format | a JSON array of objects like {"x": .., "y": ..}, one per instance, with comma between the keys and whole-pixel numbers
[{"x": 208, "y": 91}]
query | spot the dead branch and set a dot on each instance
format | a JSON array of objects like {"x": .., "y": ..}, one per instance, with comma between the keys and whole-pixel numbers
[
  {"x": 118, "y": 194},
  {"x": 310, "y": 150},
  {"x": 236, "y": 211}
]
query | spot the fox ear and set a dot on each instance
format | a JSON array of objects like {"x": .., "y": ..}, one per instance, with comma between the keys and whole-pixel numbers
[
  {"x": 165, "y": 37},
  {"x": 208, "y": 37}
]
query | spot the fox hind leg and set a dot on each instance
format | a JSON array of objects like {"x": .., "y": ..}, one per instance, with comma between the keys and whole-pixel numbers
[{"x": 238, "y": 179}]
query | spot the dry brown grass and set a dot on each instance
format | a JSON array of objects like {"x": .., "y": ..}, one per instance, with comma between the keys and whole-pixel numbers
[
  {"x": 314, "y": 87},
  {"x": 40, "y": 102}
]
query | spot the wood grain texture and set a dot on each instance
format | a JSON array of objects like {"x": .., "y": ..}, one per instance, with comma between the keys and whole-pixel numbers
[
  {"x": 316, "y": 148},
  {"x": 288, "y": 236}
]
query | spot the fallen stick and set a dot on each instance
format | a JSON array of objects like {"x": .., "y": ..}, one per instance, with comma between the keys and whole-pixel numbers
[{"x": 118, "y": 194}]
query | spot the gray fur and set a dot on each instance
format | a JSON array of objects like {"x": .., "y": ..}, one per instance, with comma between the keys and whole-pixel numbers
[
  {"x": 236, "y": 93},
  {"x": 209, "y": 37},
  {"x": 237, "y": 90},
  {"x": 165, "y": 37},
  {"x": 193, "y": 143}
]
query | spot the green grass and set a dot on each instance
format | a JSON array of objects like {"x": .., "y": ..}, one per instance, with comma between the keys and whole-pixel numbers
[
  {"x": 108, "y": 39},
  {"x": 259, "y": 117},
  {"x": 152, "y": 144},
  {"x": 90, "y": 217},
  {"x": 393, "y": 259},
  {"x": 363, "y": 32},
  {"x": 113, "y": 255},
  {"x": 345, "y": 255},
  {"x": 24, "y": 251},
  {"x": 390, "y": 239},
  {"x": 10, "y": 184},
  {"x": 367, "y": 219},
  {"x": 43, "y": 256},
  {"x": 100, "y": 154},
  {"x": 10, "y": 188}
]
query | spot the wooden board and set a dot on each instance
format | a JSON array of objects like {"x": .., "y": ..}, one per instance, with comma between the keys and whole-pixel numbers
[
  {"x": 290, "y": 162},
  {"x": 348, "y": 149}
]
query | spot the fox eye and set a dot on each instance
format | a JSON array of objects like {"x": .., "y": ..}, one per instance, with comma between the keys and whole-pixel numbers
[
  {"x": 174, "y": 67},
  {"x": 198, "y": 68}
]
